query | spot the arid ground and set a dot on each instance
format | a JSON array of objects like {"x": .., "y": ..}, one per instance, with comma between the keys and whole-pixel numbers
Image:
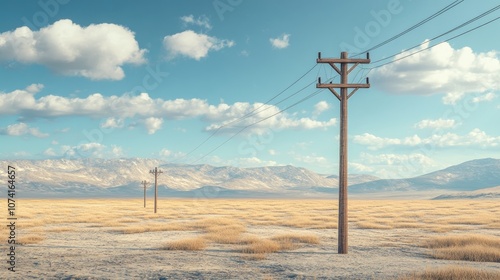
[{"x": 251, "y": 239}]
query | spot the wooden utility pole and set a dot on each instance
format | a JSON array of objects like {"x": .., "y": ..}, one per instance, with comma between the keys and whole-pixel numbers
[
  {"x": 156, "y": 172},
  {"x": 343, "y": 97},
  {"x": 145, "y": 183}
]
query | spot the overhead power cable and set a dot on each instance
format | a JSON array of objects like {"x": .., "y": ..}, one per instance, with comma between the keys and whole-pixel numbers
[
  {"x": 422, "y": 22},
  {"x": 257, "y": 110},
  {"x": 447, "y": 32},
  {"x": 429, "y": 47},
  {"x": 251, "y": 113},
  {"x": 252, "y": 124}
]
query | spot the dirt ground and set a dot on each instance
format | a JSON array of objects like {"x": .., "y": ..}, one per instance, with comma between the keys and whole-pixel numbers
[{"x": 89, "y": 251}]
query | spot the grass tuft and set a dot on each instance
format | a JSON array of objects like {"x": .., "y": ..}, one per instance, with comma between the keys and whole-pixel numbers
[
  {"x": 452, "y": 273},
  {"x": 30, "y": 239},
  {"x": 188, "y": 244},
  {"x": 297, "y": 238},
  {"x": 477, "y": 248},
  {"x": 262, "y": 246},
  {"x": 372, "y": 225}
]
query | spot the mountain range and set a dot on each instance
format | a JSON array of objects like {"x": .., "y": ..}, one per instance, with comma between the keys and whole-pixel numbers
[
  {"x": 122, "y": 177},
  {"x": 468, "y": 176}
]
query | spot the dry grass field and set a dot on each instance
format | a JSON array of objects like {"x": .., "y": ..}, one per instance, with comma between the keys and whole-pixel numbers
[{"x": 253, "y": 239}]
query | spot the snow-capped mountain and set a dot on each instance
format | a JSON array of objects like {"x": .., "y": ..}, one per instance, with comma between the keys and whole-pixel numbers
[
  {"x": 122, "y": 177},
  {"x": 87, "y": 176},
  {"x": 87, "y": 172}
]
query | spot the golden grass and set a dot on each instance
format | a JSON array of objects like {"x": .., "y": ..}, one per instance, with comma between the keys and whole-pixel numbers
[
  {"x": 477, "y": 248},
  {"x": 257, "y": 248},
  {"x": 407, "y": 225},
  {"x": 154, "y": 227},
  {"x": 249, "y": 239},
  {"x": 188, "y": 244},
  {"x": 31, "y": 223},
  {"x": 225, "y": 234},
  {"x": 30, "y": 239},
  {"x": 452, "y": 273},
  {"x": 297, "y": 238},
  {"x": 229, "y": 221},
  {"x": 61, "y": 229},
  {"x": 373, "y": 225},
  {"x": 262, "y": 246}
]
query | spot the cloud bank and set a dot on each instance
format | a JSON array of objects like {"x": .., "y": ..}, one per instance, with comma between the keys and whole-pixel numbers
[
  {"x": 441, "y": 70},
  {"x": 97, "y": 51},
  {"x": 115, "y": 110}
]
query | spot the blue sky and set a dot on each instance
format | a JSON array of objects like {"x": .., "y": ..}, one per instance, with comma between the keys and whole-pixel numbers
[{"x": 156, "y": 79}]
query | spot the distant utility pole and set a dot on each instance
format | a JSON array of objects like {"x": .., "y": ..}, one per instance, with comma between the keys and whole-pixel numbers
[
  {"x": 156, "y": 172},
  {"x": 145, "y": 183},
  {"x": 343, "y": 97}
]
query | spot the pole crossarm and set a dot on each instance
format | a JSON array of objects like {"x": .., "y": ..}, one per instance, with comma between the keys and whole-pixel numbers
[
  {"x": 343, "y": 60},
  {"x": 343, "y": 97},
  {"x": 342, "y": 85}
]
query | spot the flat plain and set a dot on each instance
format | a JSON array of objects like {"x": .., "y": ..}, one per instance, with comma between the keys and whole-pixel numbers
[{"x": 252, "y": 239}]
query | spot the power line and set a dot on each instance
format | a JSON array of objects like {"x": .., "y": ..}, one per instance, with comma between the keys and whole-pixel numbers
[
  {"x": 257, "y": 122},
  {"x": 266, "y": 118},
  {"x": 429, "y": 47},
  {"x": 422, "y": 22},
  {"x": 252, "y": 113},
  {"x": 257, "y": 110},
  {"x": 447, "y": 32}
]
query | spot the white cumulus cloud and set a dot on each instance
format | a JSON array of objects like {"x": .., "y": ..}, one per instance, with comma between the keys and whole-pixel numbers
[
  {"x": 320, "y": 107},
  {"x": 50, "y": 152},
  {"x": 193, "y": 45},
  {"x": 441, "y": 70},
  {"x": 280, "y": 42},
  {"x": 165, "y": 153},
  {"x": 97, "y": 51},
  {"x": 20, "y": 129},
  {"x": 116, "y": 151},
  {"x": 142, "y": 109},
  {"x": 85, "y": 150},
  {"x": 484, "y": 98},
  {"x": 374, "y": 142},
  {"x": 475, "y": 138},
  {"x": 258, "y": 120},
  {"x": 112, "y": 123},
  {"x": 436, "y": 124},
  {"x": 391, "y": 166},
  {"x": 251, "y": 162},
  {"x": 153, "y": 124},
  {"x": 202, "y": 21},
  {"x": 360, "y": 168}
]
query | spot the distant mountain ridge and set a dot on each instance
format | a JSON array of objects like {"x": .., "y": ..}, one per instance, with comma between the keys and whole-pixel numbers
[
  {"x": 486, "y": 193},
  {"x": 121, "y": 177},
  {"x": 467, "y": 176},
  {"x": 98, "y": 176}
]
